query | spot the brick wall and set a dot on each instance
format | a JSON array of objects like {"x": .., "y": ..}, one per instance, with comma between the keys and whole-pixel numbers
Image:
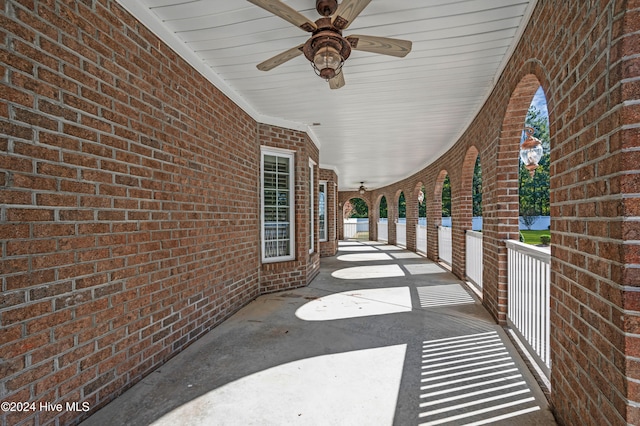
[
  {"x": 299, "y": 272},
  {"x": 585, "y": 56},
  {"x": 129, "y": 204},
  {"x": 330, "y": 247}
]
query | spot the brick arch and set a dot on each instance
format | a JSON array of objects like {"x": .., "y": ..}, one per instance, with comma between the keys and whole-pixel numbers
[
  {"x": 379, "y": 201},
  {"x": 393, "y": 214},
  {"x": 413, "y": 214},
  {"x": 462, "y": 210},
  {"x": 343, "y": 197},
  {"x": 436, "y": 203},
  {"x": 417, "y": 188},
  {"x": 396, "y": 203},
  {"x": 500, "y": 217},
  {"x": 374, "y": 217},
  {"x": 414, "y": 203},
  {"x": 365, "y": 199},
  {"x": 434, "y": 214},
  {"x": 396, "y": 196},
  {"x": 464, "y": 197}
]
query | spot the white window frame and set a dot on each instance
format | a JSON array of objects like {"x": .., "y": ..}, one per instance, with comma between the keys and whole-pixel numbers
[
  {"x": 290, "y": 155},
  {"x": 312, "y": 217},
  {"x": 324, "y": 227}
]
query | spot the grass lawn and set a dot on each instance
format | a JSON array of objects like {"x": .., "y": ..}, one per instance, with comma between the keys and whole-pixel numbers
[
  {"x": 362, "y": 236},
  {"x": 533, "y": 237}
]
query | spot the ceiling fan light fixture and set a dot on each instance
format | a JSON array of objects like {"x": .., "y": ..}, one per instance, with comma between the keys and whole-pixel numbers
[
  {"x": 327, "y": 62},
  {"x": 362, "y": 189},
  {"x": 531, "y": 151}
]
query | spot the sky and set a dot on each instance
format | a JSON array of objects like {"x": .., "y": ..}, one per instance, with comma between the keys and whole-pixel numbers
[{"x": 540, "y": 101}]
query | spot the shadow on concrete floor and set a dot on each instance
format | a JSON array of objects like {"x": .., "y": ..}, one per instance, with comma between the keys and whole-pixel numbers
[{"x": 382, "y": 336}]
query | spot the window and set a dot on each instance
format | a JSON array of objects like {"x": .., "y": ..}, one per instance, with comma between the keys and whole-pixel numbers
[
  {"x": 322, "y": 211},
  {"x": 277, "y": 205},
  {"x": 312, "y": 215}
]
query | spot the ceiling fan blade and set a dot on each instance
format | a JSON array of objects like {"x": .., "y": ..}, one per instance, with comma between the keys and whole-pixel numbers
[
  {"x": 287, "y": 13},
  {"x": 337, "y": 81},
  {"x": 280, "y": 58},
  {"x": 381, "y": 45},
  {"x": 347, "y": 11}
]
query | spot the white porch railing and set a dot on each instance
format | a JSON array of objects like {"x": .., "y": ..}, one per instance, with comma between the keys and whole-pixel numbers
[
  {"x": 529, "y": 276},
  {"x": 352, "y": 226},
  {"x": 383, "y": 230},
  {"x": 421, "y": 239},
  {"x": 444, "y": 244},
  {"x": 474, "y": 257},
  {"x": 401, "y": 234},
  {"x": 350, "y": 229}
]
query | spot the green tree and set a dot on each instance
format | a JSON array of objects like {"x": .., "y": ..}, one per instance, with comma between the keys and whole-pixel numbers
[
  {"x": 446, "y": 197},
  {"x": 477, "y": 188},
  {"x": 359, "y": 208},
  {"x": 383, "y": 207},
  {"x": 402, "y": 206},
  {"x": 534, "y": 191}
]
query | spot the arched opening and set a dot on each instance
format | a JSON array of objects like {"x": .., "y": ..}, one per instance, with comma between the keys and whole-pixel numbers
[
  {"x": 469, "y": 215},
  {"x": 442, "y": 196},
  {"x": 446, "y": 202},
  {"x": 476, "y": 194},
  {"x": 383, "y": 222},
  {"x": 401, "y": 223},
  {"x": 500, "y": 214},
  {"x": 421, "y": 226},
  {"x": 356, "y": 219},
  {"x": 528, "y": 265},
  {"x": 533, "y": 188}
]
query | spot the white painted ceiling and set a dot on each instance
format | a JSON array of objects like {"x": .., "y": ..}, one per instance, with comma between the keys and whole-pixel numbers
[{"x": 395, "y": 115}]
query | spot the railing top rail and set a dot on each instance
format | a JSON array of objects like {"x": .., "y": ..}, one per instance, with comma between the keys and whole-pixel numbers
[
  {"x": 474, "y": 234},
  {"x": 533, "y": 251}
]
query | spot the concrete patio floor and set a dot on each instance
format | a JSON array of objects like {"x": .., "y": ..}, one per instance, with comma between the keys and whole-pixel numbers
[{"x": 382, "y": 336}]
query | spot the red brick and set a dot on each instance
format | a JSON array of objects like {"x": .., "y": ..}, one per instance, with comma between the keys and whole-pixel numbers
[
  {"x": 29, "y": 376},
  {"x": 18, "y": 247},
  {"x": 34, "y": 182},
  {"x": 44, "y": 323},
  {"x": 25, "y": 345},
  {"x": 10, "y": 334},
  {"x": 29, "y": 279}
]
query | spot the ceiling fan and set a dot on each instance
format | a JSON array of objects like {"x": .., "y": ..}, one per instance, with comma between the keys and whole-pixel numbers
[{"x": 327, "y": 49}]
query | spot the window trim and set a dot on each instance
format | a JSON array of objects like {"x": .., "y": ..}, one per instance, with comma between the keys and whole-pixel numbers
[
  {"x": 290, "y": 155},
  {"x": 325, "y": 228},
  {"x": 312, "y": 207}
]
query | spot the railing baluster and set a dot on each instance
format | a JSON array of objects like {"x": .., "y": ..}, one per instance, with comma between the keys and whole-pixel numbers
[
  {"x": 421, "y": 238},
  {"x": 474, "y": 257},
  {"x": 528, "y": 284},
  {"x": 383, "y": 231},
  {"x": 444, "y": 244},
  {"x": 401, "y": 234}
]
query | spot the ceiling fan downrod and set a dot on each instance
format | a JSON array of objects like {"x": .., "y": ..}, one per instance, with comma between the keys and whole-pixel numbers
[{"x": 326, "y": 7}]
